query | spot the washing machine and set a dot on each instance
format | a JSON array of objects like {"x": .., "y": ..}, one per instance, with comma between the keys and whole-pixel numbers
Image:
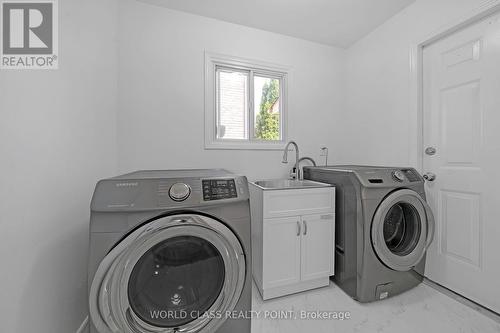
[
  {"x": 170, "y": 252},
  {"x": 383, "y": 228}
]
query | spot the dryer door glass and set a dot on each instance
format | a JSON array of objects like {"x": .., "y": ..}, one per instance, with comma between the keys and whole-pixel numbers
[
  {"x": 173, "y": 274},
  {"x": 176, "y": 281},
  {"x": 402, "y": 228}
]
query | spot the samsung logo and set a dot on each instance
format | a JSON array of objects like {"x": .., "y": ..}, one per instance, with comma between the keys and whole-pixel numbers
[{"x": 127, "y": 184}]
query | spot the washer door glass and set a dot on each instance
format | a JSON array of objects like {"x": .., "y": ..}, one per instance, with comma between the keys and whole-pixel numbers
[
  {"x": 399, "y": 230},
  {"x": 402, "y": 228},
  {"x": 174, "y": 279}
]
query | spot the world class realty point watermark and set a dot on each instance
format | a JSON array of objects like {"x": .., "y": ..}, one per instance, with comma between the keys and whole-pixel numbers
[
  {"x": 29, "y": 34},
  {"x": 272, "y": 315}
]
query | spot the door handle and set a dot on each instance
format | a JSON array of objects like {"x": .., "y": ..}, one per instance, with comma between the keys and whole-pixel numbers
[
  {"x": 429, "y": 176},
  {"x": 430, "y": 151},
  {"x": 298, "y": 228},
  {"x": 305, "y": 228}
]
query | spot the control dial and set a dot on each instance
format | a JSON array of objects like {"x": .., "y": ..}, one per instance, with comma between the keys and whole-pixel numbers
[
  {"x": 179, "y": 191},
  {"x": 398, "y": 175}
]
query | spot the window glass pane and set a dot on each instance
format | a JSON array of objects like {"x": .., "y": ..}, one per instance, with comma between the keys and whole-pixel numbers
[
  {"x": 232, "y": 105},
  {"x": 267, "y": 110}
]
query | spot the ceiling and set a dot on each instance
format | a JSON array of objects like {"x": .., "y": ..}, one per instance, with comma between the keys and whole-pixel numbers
[{"x": 334, "y": 22}]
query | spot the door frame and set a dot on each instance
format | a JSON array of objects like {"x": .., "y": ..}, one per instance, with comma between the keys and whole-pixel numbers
[{"x": 487, "y": 8}]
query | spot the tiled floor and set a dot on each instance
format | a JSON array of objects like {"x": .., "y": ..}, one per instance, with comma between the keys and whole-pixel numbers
[{"x": 420, "y": 310}]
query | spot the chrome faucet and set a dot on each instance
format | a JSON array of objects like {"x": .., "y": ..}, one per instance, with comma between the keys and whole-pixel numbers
[
  {"x": 313, "y": 162},
  {"x": 305, "y": 158},
  {"x": 294, "y": 173}
]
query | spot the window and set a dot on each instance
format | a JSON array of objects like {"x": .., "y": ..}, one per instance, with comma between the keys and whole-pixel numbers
[{"x": 245, "y": 104}]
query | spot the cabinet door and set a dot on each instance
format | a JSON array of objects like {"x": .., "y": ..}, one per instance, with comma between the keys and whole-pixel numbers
[
  {"x": 281, "y": 255},
  {"x": 317, "y": 246}
]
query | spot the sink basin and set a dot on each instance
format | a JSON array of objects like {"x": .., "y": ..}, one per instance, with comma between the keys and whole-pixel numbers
[{"x": 284, "y": 184}]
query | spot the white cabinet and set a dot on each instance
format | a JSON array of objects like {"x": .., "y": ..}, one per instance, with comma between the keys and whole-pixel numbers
[
  {"x": 282, "y": 259},
  {"x": 316, "y": 246},
  {"x": 292, "y": 239}
]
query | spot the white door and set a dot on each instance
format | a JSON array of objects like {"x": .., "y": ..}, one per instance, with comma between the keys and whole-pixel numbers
[
  {"x": 281, "y": 262},
  {"x": 317, "y": 239},
  {"x": 462, "y": 122}
]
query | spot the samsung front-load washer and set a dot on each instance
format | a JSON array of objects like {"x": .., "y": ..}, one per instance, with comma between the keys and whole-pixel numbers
[
  {"x": 170, "y": 252},
  {"x": 383, "y": 228}
]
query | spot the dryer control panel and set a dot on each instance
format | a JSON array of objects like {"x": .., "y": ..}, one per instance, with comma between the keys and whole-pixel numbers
[
  {"x": 152, "y": 190},
  {"x": 217, "y": 189}
]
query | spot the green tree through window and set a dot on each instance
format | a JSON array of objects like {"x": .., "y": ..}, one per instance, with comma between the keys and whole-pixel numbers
[{"x": 267, "y": 123}]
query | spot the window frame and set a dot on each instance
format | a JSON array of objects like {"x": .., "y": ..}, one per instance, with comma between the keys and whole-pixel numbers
[{"x": 213, "y": 62}]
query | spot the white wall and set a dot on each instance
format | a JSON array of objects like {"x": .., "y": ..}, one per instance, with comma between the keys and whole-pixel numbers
[
  {"x": 379, "y": 121},
  {"x": 57, "y": 137},
  {"x": 161, "y": 90}
]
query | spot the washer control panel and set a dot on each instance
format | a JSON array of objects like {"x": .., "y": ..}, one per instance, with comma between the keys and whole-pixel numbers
[
  {"x": 385, "y": 176},
  {"x": 218, "y": 189},
  {"x": 398, "y": 176}
]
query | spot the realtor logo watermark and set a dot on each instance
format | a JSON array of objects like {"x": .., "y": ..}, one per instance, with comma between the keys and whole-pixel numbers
[{"x": 29, "y": 33}]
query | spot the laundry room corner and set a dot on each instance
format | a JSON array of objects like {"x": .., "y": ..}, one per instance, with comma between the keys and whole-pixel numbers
[
  {"x": 380, "y": 94},
  {"x": 57, "y": 138}
]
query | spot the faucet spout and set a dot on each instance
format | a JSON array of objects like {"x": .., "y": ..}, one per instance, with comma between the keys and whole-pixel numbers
[
  {"x": 295, "y": 173},
  {"x": 313, "y": 162},
  {"x": 300, "y": 171}
]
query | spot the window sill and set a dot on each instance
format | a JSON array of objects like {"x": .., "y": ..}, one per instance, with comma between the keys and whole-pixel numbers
[{"x": 217, "y": 145}]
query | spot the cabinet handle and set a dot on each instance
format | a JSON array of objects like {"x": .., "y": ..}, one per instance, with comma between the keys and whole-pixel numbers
[
  {"x": 298, "y": 228},
  {"x": 305, "y": 228}
]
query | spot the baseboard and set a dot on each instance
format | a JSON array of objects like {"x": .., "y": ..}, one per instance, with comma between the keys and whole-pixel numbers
[
  {"x": 84, "y": 326},
  {"x": 276, "y": 292},
  {"x": 464, "y": 300}
]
